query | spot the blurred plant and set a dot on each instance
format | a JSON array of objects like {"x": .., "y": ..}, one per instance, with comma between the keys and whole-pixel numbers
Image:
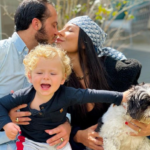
[
  {"x": 104, "y": 12},
  {"x": 68, "y": 9}
]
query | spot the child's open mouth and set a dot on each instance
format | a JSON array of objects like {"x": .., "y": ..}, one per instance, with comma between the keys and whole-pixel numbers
[{"x": 45, "y": 86}]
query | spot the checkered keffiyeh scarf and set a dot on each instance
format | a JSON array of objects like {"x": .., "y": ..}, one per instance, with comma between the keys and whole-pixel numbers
[{"x": 98, "y": 37}]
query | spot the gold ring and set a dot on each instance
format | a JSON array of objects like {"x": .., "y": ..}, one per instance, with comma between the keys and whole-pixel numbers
[
  {"x": 139, "y": 130},
  {"x": 61, "y": 139},
  {"x": 17, "y": 119}
]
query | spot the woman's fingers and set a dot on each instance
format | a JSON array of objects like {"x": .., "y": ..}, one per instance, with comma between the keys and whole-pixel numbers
[
  {"x": 140, "y": 128},
  {"x": 95, "y": 134},
  {"x": 97, "y": 140},
  {"x": 135, "y": 128},
  {"x": 95, "y": 144},
  {"x": 94, "y": 127},
  {"x": 139, "y": 124}
]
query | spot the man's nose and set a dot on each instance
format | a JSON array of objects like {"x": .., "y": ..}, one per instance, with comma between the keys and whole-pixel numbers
[{"x": 56, "y": 32}]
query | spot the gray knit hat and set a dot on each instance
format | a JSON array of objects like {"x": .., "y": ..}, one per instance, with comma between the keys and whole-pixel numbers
[{"x": 98, "y": 37}]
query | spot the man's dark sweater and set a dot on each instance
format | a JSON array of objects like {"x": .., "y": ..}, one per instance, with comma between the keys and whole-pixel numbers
[{"x": 53, "y": 112}]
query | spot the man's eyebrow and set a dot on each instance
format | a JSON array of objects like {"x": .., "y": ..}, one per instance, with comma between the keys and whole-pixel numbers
[{"x": 55, "y": 22}]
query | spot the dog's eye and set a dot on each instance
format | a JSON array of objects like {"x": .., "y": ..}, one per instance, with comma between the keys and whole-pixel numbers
[{"x": 144, "y": 104}]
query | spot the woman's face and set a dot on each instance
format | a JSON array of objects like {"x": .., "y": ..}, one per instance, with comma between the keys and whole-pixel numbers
[{"x": 68, "y": 38}]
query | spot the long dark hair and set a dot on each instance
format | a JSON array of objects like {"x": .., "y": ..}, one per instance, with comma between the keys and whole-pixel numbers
[{"x": 97, "y": 73}]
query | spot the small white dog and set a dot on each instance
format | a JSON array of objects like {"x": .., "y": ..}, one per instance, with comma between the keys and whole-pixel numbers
[{"x": 114, "y": 131}]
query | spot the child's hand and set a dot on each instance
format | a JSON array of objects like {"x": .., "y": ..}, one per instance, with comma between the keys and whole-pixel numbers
[
  {"x": 11, "y": 130},
  {"x": 125, "y": 95}
]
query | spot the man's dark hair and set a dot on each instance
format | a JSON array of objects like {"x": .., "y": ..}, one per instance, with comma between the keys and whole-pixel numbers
[{"x": 28, "y": 10}]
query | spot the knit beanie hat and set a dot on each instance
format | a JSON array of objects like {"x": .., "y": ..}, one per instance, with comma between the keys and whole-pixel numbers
[{"x": 97, "y": 36}]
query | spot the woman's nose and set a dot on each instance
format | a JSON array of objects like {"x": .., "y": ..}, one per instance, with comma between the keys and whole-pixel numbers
[{"x": 61, "y": 33}]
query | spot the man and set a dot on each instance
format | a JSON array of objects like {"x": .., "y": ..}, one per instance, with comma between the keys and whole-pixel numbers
[{"x": 35, "y": 22}]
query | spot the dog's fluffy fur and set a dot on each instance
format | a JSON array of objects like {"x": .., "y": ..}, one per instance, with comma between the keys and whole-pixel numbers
[{"x": 114, "y": 131}]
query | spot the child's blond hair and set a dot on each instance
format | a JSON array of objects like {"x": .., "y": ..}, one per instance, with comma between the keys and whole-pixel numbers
[{"x": 48, "y": 52}]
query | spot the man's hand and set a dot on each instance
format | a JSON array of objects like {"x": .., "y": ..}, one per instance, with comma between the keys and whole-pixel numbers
[
  {"x": 62, "y": 132},
  {"x": 22, "y": 116},
  {"x": 11, "y": 130}
]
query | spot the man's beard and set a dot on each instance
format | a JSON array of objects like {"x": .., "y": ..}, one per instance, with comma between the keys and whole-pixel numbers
[{"x": 41, "y": 36}]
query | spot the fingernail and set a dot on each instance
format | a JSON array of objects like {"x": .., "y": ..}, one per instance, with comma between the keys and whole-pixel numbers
[{"x": 126, "y": 123}]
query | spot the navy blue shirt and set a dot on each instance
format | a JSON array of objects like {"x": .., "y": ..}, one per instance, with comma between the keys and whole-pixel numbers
[{"x": 53, "y": 112}]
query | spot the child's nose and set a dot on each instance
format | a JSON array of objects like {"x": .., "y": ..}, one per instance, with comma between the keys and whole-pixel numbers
[{"x": 46, "y": 76}]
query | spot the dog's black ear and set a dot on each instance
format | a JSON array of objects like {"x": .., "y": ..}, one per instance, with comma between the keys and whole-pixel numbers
[
  {"x": 142, "y": 83},
  {"x": 133, "y": 108},
  {"x": 100, "y": 123}
]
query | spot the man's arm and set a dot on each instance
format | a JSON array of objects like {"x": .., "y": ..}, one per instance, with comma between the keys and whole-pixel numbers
[
  {"x": 6, "y": 104},
  {"x": 3, "y": 52},
  {"x": 3, "y": 138}
]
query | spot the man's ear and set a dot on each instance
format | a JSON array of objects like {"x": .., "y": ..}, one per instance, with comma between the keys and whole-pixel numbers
[
  {"x": 36, "y": 24},
  {"x": 29, "y": 77}
]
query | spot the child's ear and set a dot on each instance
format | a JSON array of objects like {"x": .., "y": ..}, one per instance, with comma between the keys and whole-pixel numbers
[
  {"x": 63, "y": 79},
  {"x": 29, "y": 77}
]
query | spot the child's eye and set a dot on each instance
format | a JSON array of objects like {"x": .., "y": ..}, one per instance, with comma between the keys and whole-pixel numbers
[
  {"x": 39, "y": 72},
  {"x": 53, "y": 73}
]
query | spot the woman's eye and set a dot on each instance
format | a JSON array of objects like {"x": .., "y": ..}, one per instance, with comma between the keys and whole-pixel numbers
[
  {"x": 53, "y": 73},
  {"x": 70, "y": 30},
  {"x": 39, "y": 73}
]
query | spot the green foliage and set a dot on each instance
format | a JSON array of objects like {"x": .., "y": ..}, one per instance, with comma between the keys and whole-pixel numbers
[
  {"x": 102, "y": 13},
  {"x": 113, "y": 11},
  {"x": 79, "y": 8}
]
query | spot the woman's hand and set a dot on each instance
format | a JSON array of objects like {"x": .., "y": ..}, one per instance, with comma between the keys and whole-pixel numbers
[
  {"x": 62, "y": 135},
  {"x": 21, "y": 117},
  {"x": 89, "y": 138},
  {"x": 141, "y": 128}
]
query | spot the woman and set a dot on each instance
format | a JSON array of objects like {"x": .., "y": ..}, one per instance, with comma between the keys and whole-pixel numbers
[{"x": 83, "y": 39}]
